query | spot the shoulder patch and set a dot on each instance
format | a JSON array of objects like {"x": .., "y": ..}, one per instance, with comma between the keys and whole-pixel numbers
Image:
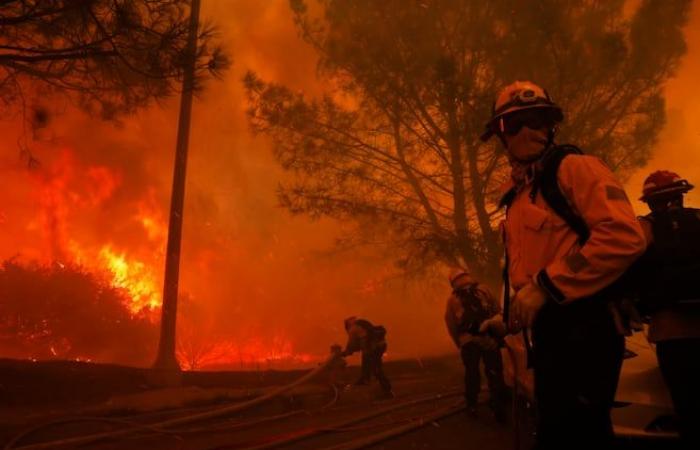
[{"x": 615, "y": 193}]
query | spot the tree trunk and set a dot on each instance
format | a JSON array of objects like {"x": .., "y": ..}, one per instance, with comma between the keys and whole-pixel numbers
[
  {"x": 490, "y": 236},
  {"x": 166, "y": 359}
]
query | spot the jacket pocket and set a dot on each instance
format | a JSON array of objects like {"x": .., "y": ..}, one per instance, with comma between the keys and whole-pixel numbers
[
  {"x": 541, "y": 232},
  {"x": 534, "y": 218},
  {"x": 542, "y": 221}
]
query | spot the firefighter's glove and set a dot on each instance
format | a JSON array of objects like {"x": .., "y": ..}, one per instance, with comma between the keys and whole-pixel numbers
[
  {"x": 494, "y": 326},
  {"x": 526, "y": 305}
]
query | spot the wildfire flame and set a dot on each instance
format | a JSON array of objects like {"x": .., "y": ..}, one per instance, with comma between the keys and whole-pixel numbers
[
  {"x": 253, "y": 353},
  {"x": 65, "y": 190},
  {"x": 71, "y": 195},
  {"x": 136, "y": 277}
]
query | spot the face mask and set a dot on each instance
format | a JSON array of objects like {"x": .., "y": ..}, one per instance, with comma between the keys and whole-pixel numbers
[{"x": 527, "y": 145}]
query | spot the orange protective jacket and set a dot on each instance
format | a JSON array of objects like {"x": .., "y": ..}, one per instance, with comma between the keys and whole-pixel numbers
[{"x": 542, "y": 247}]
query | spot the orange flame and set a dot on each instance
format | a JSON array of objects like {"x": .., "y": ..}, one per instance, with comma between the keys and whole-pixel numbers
[
  {"x": 68, "y": 190},
  {"x": 150, "y": 216},
  {"x": 135, "y": 276},
  {"x": 253, "y": 353}
]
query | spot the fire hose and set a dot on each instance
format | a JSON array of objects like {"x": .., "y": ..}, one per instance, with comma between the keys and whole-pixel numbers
[
  {"x": 251, "y": 423},
  {"x": 420, "y": 422},
  {"x": 346, "y": 423},
  {"x": 159, "y": 427}
]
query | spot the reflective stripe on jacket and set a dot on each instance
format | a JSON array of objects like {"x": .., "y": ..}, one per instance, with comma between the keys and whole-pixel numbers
[{"x": 542, "y": 246}]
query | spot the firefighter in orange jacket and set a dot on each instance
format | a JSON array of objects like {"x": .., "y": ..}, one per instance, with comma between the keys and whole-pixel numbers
[
  {"x": 561, "y": 256},
  {"x": 670, "y": 293},
  {"x": 475, "y": 325}
]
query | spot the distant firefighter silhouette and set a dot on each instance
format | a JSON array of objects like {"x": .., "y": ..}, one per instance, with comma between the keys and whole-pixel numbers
[
  {"x": 476, "y": 326},
  {"x": 371, "y": 341}
]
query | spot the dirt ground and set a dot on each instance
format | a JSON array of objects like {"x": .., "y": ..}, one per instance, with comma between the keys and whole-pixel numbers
[{"x": 48, "y": 397}]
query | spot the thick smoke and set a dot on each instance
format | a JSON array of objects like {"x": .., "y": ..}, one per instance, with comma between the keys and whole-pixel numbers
[
  {"x": 679, "y": 143},
  {"x": 253, "y": 279}
]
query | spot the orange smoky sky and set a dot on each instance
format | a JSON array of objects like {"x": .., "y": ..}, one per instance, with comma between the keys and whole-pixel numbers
[
  {"x": 250, "y": 273},
  {"x": 678, "y": 148}
]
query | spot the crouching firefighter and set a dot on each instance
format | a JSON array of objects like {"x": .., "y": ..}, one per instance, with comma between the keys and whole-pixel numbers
[
  {"x": 670, "y": 294},
  {"x": 475, "y": 325},
  {"x": 570, "y": 233},
  {"x": 371, "y": 341}
]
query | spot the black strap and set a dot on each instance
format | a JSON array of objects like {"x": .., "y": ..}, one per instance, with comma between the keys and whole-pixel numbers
[
  {"x": 506, "y": 292},
  {"x": 546, "y": 182},
  {"x": 507, "y": 198},
  {"x": 505, "y": 202}
]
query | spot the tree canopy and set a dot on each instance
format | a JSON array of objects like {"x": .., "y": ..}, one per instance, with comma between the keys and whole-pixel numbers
[
  {"x": 394, "y": 145},
  {"x": 113, "y": 55}
]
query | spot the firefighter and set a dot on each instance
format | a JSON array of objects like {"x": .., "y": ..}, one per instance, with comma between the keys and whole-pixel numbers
[
  {"x": 570, "y": 233},
  {"x": 371, "y": 341},
  {"x": 475, "y": 325},
  {"x": 671, "y": 294}
]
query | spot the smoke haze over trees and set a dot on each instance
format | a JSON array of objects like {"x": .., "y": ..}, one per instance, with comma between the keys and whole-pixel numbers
[
  {"x": 394, "y": 146},
  {"x": 252, "y": 271}
]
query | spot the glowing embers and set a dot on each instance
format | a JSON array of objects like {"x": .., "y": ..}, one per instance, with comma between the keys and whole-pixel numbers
[
  {"x": 254, "y": 353},
  {"x": 134, "y": 276}
]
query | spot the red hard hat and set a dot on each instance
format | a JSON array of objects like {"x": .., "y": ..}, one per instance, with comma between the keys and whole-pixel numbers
[{"x": 664, "y": 182}]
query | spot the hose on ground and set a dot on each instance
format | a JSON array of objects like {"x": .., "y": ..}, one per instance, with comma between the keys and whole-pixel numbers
[
  {"x": 376, "y": 438},
  {"x": 132, "y": 425},
  {"x": 371, "y": 426},
  {"x": 216, "y": 412},
  {"x": 251, "y": 423},
  {"x": 298, "y": 436}
]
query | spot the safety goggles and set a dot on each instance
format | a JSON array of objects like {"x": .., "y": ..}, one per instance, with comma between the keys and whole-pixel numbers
[{"x": 533, "y": 118}]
